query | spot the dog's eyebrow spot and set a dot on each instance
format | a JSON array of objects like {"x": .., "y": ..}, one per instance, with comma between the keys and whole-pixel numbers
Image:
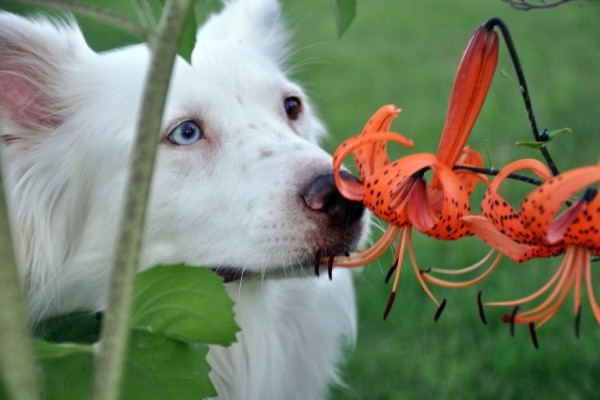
[{"x": 265, "y": 153}]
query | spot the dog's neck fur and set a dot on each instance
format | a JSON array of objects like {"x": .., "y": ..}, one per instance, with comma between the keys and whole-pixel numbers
[{"x": 305, "y": 343}]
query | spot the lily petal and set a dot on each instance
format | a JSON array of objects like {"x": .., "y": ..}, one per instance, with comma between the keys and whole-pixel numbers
[
  {"x": 448, "y": 225},
  {"x": 471, "y": 158},
  {"x": 541, "y": 206},
  {"x": 354, "y": 190},
  {"x": 372, "y": 154},
  {"x": 418, "y": 209},
  {"x": 559, "y": 226},
  {"x": 387, "y": 191},
  {"x": 471, "y": 85},
  {"x": 498, "y": 211},
  {"x": 487, "y": 232}
]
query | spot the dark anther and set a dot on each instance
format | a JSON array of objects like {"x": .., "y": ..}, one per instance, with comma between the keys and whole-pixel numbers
[
  {"x": 391, "y": 271},
  {"x": 439, "y": 311},
  {"x": 534, "y": 339},
  {"x": 513, "y": 316},
  {"x": 577, "y": 322},
  {"x": 481, "y": 310},
  {"x": 544, "y": 136},
  {"x": 590, "y": 194},
  {"x": 330, "y": 267},
  {"x": 347, "y": 254},
  {"x": 388, "y": 307},
  {"x": 317, "y": 263}
]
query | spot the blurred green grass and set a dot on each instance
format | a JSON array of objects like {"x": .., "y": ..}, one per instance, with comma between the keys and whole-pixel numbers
[{"x": 407, "y": 53}]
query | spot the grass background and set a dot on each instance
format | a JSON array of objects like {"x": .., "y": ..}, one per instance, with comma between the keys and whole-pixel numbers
[{"x": 406, "y": 53}]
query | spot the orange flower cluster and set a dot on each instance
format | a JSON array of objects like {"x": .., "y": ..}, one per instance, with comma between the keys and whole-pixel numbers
[{"x": 430, "y": 193}]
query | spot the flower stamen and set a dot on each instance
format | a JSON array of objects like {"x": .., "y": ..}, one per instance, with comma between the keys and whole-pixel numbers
[
  {"x": 398, "y": 261},
  {"x": 457, "y": 285}
]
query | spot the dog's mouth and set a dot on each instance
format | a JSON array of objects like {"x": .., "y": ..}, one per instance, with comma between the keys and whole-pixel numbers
[
  {"x": 231, "y": 274},
  {"x": 312, "y": 266}
]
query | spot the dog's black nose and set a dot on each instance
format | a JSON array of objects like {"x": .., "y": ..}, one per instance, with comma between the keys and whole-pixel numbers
[{"x": 321, "y": 195}]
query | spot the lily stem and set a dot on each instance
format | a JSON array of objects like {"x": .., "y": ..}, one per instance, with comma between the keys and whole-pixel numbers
[
  {"x": 490, "y": 24},
  {"x": 494, "y": 172}
]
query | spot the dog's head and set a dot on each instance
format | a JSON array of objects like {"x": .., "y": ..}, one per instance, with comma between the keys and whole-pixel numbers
[{"x": 240, "y": 182}]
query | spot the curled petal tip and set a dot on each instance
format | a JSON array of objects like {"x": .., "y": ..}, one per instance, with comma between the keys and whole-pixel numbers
[{"x": 350, "y": 189}]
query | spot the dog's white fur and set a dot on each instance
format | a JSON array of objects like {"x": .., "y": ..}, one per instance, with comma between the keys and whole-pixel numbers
[{"x": 68, "y": 117}]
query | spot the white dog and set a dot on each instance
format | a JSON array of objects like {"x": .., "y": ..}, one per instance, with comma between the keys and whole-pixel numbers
[{"x": 240, "y": 186}]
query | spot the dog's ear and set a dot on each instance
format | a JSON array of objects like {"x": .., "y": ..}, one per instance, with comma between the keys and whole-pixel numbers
[
  {"x": 255, "y": 23},
  {"x": 33, "y": 57}
]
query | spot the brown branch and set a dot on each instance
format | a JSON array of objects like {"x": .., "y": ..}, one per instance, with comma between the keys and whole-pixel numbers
[{"x": 526, "y": 5}]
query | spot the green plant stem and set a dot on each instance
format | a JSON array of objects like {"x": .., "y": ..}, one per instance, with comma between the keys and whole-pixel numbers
[
  {"x": 96, "y": 13},
  {"x": 145, "y": 15},
  {"x": 16, "y": 354},
  {"x": 111, "y": 353}
]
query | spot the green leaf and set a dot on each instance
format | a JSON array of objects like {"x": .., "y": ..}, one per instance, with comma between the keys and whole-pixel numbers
[
  {"x": 559, "y": 132},
  {"x": 533, "y": 145},
  {"x": 45, "y": 350},
  {"x": 160, "y": 368},
  {"x": 185, "y": 303},
  {"x": 174, "y": 308},
  {"x": 80, "y": 327},
  {"x": 67, "y": 370},
  {"x": 545, "y": 137},
  {"x": 344, "y": 12},
  {"x": 188, "y": 36},
  {"x": 156, "y": 368}
]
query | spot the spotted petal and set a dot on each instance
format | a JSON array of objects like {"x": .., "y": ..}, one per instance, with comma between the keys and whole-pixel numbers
[
  {"x": 506, "y": 231},
  {"x": 455, "y": 204},
  {"x": 388, "y": 190},
  {"x": 369, "y": 151},
  {"x": 582, "y": 219},
  {"x": 353, "y": 190},
  {"x": 470, "y": 158}
]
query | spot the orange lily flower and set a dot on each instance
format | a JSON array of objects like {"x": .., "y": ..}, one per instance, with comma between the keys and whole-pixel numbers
[
  {"x": 397, "y": 192},
  {"x": 537, "y": 232},
  {"x": 501, "y": 226}
]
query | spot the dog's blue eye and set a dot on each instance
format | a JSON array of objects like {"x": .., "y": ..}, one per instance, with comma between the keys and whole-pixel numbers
[{"x": 185, "y": 134}]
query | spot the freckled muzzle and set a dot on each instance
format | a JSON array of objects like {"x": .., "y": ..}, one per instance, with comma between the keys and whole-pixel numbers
[
  {"x": 322, "y": 196},
  {"x": 336, "y": 229}
]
